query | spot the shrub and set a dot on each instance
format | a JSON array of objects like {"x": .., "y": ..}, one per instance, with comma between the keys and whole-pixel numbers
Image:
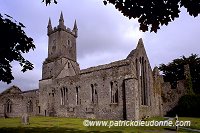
[{"x": 188, "y": 106}]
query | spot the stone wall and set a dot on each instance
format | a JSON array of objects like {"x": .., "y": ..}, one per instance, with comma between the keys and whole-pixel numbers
[
  {"x": 123, "y": 89},
  {"x": 101, "y": 78},
  {"x": 147, "y": 95},
  {"x": 14, "y": 104},
  {"x": 170, "y": 96}
]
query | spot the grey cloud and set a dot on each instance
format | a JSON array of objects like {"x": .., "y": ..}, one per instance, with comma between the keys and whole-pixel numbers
[{"x": 105, "y": 35}]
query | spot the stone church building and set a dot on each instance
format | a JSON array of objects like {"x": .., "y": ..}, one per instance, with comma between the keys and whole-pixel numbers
[{"x": 127, "y": 89}]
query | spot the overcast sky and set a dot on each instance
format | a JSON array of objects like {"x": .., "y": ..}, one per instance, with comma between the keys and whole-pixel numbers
[{"x": 105, "y": 35}]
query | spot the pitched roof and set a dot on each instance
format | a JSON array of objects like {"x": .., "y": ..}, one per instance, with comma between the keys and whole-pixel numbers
[{"x": 13, "y": 89}]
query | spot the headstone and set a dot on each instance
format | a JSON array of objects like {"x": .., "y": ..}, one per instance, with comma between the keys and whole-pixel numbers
[{"x": 25, "y": 119}]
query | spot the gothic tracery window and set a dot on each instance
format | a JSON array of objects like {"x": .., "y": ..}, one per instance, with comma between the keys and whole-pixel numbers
[
  {"x": 64, "y": 96},
  {"x": 143, "y": 81}
]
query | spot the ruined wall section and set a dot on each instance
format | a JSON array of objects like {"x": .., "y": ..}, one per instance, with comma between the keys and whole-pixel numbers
[
  {"x": 157, "y": 86},
  {"x": 31, "y": 102},
  {"x": 103, "y": 76},
  {"x": 145, "y": 81},
  {"x": 16, "y": 103},
  {"x": 45, "y": 89},
  {"x": 170, "y": 96},
  {"x": 88, "y": 95},
  {"x": 132, "y": 98}
]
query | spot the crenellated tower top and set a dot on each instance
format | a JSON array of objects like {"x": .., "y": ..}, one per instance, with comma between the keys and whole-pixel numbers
[
  {"x": 62, "y": 27},
  {"x": 62, "y": 40}
]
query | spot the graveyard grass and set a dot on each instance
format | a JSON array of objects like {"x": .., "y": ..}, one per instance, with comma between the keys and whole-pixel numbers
[{"x": 56, "y": 124}]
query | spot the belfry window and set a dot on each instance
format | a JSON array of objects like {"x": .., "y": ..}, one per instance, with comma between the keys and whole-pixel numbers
[{"x": 69, "y": 43}]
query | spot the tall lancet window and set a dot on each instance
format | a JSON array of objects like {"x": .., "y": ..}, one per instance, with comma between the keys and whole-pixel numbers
[
  {"x": 143, "y": 81},
  {"x": 114, "y": 92},
  {"x": 64, "y": 96},
  {"x": 77, "y": 96},
  {"x": 94, "y": 96},
  {"x": 8, "y": 106}
]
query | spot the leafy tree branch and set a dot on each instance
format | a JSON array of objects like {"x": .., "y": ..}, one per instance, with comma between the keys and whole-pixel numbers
[{"x": 14, "y": 42}]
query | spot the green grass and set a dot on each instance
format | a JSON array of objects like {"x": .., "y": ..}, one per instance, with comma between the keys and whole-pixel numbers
[
  {"x": 60, "y": 125},
  {"x": 195, "y": 122}
]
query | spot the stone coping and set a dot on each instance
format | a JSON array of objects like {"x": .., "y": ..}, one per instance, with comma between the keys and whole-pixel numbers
[{"x": 119, "y": 63}]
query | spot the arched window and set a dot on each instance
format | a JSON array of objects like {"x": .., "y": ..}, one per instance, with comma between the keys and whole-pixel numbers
[
  {"x": 94, "y": 94},
  {"x": 78, "y": 98},
  {"x": 64, "y": 95},
  {"x": 8, "y": 106},
  {"x": 143, "y": 81},
  {"x": 61, "y": 98},
  {"x": 114, "y": 92}
]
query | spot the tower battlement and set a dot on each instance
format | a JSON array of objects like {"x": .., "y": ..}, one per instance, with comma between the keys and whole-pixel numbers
[
  {"x": 62, "y": 27},
  {"x": 61, "y": 51},
  {"x": 68, "y": 30}
]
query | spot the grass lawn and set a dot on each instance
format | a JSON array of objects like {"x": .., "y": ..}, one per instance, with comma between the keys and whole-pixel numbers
[
  {"x": 195, "y": 122},
  {"x": 60, "y": 125}
]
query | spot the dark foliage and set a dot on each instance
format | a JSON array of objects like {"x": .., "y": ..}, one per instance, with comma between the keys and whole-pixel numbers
[
  {"x": 174, "y": 71},
  {"x": 188, "y": 106},
  {"x": 152, "y": 14},
  {"x": 49, "y": 1},
  {"x": 14, "y": 42}
]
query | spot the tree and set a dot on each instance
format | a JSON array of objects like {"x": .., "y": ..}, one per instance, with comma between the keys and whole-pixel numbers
[
  {"x": 188, "y": 106},
  {"x": 174, "y": 71},
  {"x": 152, "y": 14},
  {"x": 49, "y": 2},
  {"x": 14, "y": 42}
]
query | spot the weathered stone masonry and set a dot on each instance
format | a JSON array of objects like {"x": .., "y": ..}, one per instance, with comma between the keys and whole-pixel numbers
[
  {"x": 118, "y": 90},
  {"x": 14, "y": 102},
  {"x": 127, "y": 89}
]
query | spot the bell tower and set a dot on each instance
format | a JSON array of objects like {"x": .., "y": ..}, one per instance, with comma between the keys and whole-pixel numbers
[
  {"x": 61, "y": 50},
  {"x": 62, "y": 41}
]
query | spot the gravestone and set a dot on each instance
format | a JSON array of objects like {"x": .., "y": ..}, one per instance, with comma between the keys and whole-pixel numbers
[{"x": 25, "y": 119}]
